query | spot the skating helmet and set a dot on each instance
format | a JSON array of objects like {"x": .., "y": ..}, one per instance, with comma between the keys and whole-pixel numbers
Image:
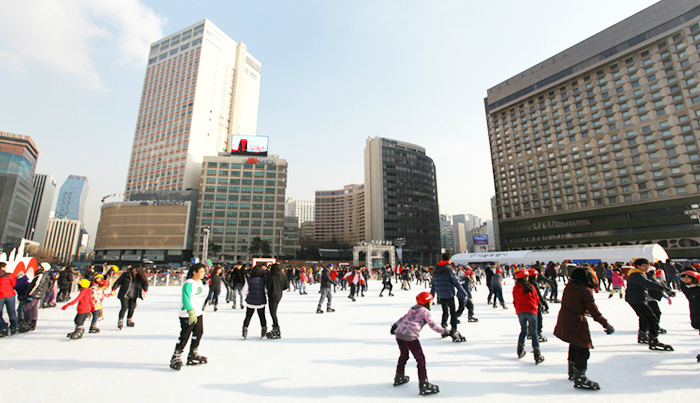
[
  {"x": 691, "y": 274},
  {"x": 522, "y": 273},
  {"x": 104, "y": 283},
  {"x": 423, "y": 298},
  {"x": 84, "y": 283},
  {"x": 499, "y": 270},
  {"x": 533, "y": 272}
]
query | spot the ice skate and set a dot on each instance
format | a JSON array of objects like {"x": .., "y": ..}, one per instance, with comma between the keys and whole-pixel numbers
[
  {"x": 14, "y": 331},
  {"x": 655, "y": 345},
  {"x": 319, "y": 310},
  {"x": 698, "y": 358},
  {"x": 274, "y": 334},
  {"x": 4, "y": 332},
  {"x": 472, "y": 319},
  {"x": 457, "y": 337},
  {"x": 541, "y": 338},
  {"x": 32, "y": 325},
  {"x": 245, "y": 333},
  {"x": 380, "y": 295},
  {"x": 77, "y": 334},
  {"x": 581, "y": 382},
  {"x": 120, "y": 324},
  {"x": 130, "y": 323},
  {"x": 391, "y": 295},
  {"x": 195, "y": 359},
  {"x": 329, "y": 309},
  {"x": 175, "y": 361},
  {"x": 234, "y": 305},
  {"x": 94, "y": 329},
  {"x": 571, "y": 370},
  {"x": 504, "y": 306},
  {"x": 642, "y": 337},
  {"x": 400, "y": 380},
  {"x": 521, "y": 351},
  {"x": 427, "y": 388},
  {"x": 263, "y": 332},
  {"x": 662, "y": 331},
  {"x": 539, "y": 358}
]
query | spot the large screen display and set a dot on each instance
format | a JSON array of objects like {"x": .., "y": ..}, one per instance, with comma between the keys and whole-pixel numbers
[
  {"x": 481, "y": 239},
  {"x": 255, "y": 146}
]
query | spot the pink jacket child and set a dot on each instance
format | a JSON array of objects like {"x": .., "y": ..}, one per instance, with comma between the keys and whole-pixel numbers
[
  {"x": 618, "y": 283},
  {"x": 407, "y": 331}
]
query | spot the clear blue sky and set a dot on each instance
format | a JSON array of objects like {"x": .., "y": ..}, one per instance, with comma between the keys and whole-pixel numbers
[{"x": 334, "y": 73}]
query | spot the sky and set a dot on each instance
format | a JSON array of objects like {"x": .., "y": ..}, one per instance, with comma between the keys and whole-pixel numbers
[{"x": 333, "y": 74}]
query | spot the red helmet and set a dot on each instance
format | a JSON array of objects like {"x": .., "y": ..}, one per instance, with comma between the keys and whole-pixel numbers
[
  {"x": 522, "y": 273},
  {"x": 499, "y": 270},
  {"x": 104, "y": 283},
  {"x": 423, "y": 298},
  {"x": 533, "y": 272},
  {"x": 692, "y": 274},
  {"x": 469, "y": 272}
]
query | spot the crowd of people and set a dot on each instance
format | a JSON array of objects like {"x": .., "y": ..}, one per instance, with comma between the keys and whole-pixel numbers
[{"x": 259, "y": 290}]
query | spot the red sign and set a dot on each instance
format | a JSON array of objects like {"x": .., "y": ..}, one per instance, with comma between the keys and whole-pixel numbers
[{"x": 252, "y": 161}]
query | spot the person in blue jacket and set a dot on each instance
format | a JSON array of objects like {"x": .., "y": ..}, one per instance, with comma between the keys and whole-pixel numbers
[
  {"x": 636, "y": 297},
  {"x": 445, "y": 283}
]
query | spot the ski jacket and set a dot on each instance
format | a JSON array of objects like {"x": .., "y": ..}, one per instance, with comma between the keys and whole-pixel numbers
[
  {"x": 123, "y": 283},
  {"x": 254, "y": 290},
  {"x": 326, "y": 280},
  {"x": 22, "y": 287},
  {"x": 445, "y": 281},
  {"x": 496, "y": 281},
  {"x": 7, "y": 284},
  {"x": 637, "y": 284},
  {"x": 409, "y": 326},
  {"x": 692, "y": 292},
  {"x": 618, "y": 281},
  {"x": 572, "y": 326},
  {"x": 193, "y": 297},
  {"x": 352, "y": 278},
  {"x": 39, "y": 285},
  {"x": 525, "y": 301},
  {"x": 65, "y": 278},
  {"x": 84, "y": 301},
  {"x": 276, "y": 283},
  {"x": 215, "y": 281}
]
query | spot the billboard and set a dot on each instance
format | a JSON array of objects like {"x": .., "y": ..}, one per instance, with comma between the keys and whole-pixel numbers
[
  {"x": 481, "y": 239},
  {"x": 255, "y": 146}
]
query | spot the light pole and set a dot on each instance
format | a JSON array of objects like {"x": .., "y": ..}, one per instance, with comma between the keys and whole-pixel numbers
[{"x": 205, "y": 244}]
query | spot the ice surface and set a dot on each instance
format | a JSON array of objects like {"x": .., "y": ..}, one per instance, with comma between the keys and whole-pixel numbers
[{"x": 346, "y": 356}]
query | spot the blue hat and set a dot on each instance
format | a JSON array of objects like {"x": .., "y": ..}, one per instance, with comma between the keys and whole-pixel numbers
[{"x": 329, "y": 265}]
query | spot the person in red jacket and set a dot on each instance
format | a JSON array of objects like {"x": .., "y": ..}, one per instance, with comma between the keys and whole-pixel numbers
[
  {"x": 7, "y": 300},
  {"x": 85, "y": 306},
  {"x": 526, "y": 302}
]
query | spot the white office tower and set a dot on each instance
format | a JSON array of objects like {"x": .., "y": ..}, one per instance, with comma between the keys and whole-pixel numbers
[
  {"x": 303, "y": 210},
  {"x": 40, "y": 212},
  {"x": 201, "y": 88}
]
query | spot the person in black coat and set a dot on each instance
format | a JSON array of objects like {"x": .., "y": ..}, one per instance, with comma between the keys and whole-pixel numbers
[
  {"x": 132, "y": 284},
  {"x": 690, "y": 286},
  {"x": 215, "y": 278},
  {"x": 326, "y": 283},
  {"x": 238, "y": 276},
  {"x": 255, "y": 293},
  {"x": 65, "y": 282},
  {"x": 276, "y": 283},
  {"x": 636, "y": 297}
]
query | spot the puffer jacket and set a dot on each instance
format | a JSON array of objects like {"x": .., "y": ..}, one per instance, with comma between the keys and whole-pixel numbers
[
  {"x": 255, "y": 287},
  {"x": 445, "y": 281},
  {"x": 525, "y": 301},
  {"x": 692, "y": 292},
  {"x": 39, "y": 285},
  {"x": 7, "y": 284},
  {"x": 496, "y": 281},
  {"x": 637, "y": 284},
  {"x": 410, "y": 325}
]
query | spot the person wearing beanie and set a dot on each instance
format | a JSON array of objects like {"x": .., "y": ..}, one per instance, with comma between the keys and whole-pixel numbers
[
  {"x": 572, "y": 327},
  {"x": 407, "y": 330},
  {"x": 526, "y": 302},
  {"x": 637, "y": 297},
  {"x": 690, "y": 287},
  {"x": 85, "y": 306},
  {"x": 191, "y": 318}
]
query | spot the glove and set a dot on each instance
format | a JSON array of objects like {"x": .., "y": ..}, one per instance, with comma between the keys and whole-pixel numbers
[
  {"x": 393, "y": 329},
  {"x": 609, "y": 329},
  {"x": 193, "y": 317},
  {"x": 29, "y": 299},
  {"x": 64, "y": 307}
]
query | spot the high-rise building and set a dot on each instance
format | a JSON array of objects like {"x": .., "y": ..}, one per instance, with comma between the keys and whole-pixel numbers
[
  {"x": 447, "y": 234},
  {"x": 291, "y": 237},
  {"x": 72, "y": 198},
  {"x": 239, "y": 201},
  {"x": 340, "y": 214},
  {"x": 18, "y": 156},
  {"x": 63, "y": 239},
  {"x": 302, "y": 209},
  {"x": 464, "y": 233},
  {"x": 401, "y": 198},
  {"x": 200, "y": 89},
  {"x": 598, "y": 145},
  {"x": 40, "y": 212}
]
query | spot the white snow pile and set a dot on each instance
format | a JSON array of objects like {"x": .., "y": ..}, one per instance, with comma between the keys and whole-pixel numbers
[{"x": 347, "y": 356}]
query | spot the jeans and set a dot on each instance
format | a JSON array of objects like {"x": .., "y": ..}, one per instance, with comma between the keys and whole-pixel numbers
[
  {"x": 415, "y": 348},
  {"x": 497, "y": 294},
  {"x": 387, "y": 286},
  {"x": 528, "y": 325},
  {"x": 8, "y": 304},
  {"x": 31, "y": 310},
  {"x": 213, "y": 297},
  {"x": 237, "y": 290},
  {"x": 95, "y": 317},
  {"x": 325, "y": 292}
]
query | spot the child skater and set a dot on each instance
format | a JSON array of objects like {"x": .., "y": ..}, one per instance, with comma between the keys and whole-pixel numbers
[
  {"x": 191, "y": 318},
  {"x": 406, "y": 330},
  {"x": 526, "y": 301},
  {"x": 572, "y": 326},
  {"x": 98, "y": 295},
  {"x": 618, "y": 283},
  {"x": 85, "y": 306},
  {"x": 690, "y": 286}
]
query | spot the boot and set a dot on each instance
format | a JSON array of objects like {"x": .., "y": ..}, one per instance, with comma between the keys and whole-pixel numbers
[
  {"x": 571, "y": 370},
  {"x": 245, "y": 333},
  {"x": 329, "y": 309},
  {"x": 175, "y": 361},
  {"x": 33, "y": 325},
  {"x": 539, "y": 358},
  {"x": 275, "y": 333},
  {"x": 195, "y": 359},
  {"x": 14, "y": 331},
  {"x": 94, "y": 329},
  {"x": 427, "y": 388},
  {"x": 234, "y": 304},
  {"x": 24, "y": 326},
  {"x": 610, "y": 296},
  {"x": 120, "y": 324},
  {"x": 390, "y": 294},
  {"x": 503, "y": 305},
  {"x": 654, "y": 344},
  {"x": 4, "y": 332},
  {"x": 263, "y": 332},
  {"x": 521, "y": 351},
  {"x": 642, "y": 337},
  {"x": 662, "y": 331},
  {"x": 581, "y": 382},
  {"x": 319, "y": 310},
  {"x": 400, "y": 379},
  {"x": 129, "y": 322}
]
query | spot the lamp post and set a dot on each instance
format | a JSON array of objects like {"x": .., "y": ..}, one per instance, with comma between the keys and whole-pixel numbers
[{"x": 205, "y": 244}]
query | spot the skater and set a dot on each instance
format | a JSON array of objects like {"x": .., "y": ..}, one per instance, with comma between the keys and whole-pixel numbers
[
  {"x": 276, "y": 283},
  {"x": 191, "y": 318},
  {"x": 132, "y": 284},
  {"x": 465, "y": 301},
  {"x": 497, "y": 288},
  {"x": 386, "y": 281},
  {"x": 303, "y": 279},
  {"x": 98, "y": 295},
  {"x": 655, "y": 296},
  {"x": 85, "y": 306},
  {"x": 690, "y": 286},
  {"x": 37, "y": 290},
  {"x": 65, "y": 282},
  {"x": 326, "y": 283},
  {"x": 572, "y": 327},
  {"x": 255, "y": 298},
  {"x": 407, "y": 331},
  {"x": 353, "y": 278},
  {"x": 637, "y": 285},
  {"x": 7, "y": 302},
  {"x": 618, "y": 283},
  {"x": 215, "y": 279},
  {"x": 526, "y": 302},
  {"x": 542, "y": 306},
  {"x": 238, "y": 277},
  {"x": 444, "y": 285},
  {"x": 490, "y": 271}
]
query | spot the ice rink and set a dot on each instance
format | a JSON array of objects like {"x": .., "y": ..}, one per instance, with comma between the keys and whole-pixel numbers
[{"x": 346, "y": 356}]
